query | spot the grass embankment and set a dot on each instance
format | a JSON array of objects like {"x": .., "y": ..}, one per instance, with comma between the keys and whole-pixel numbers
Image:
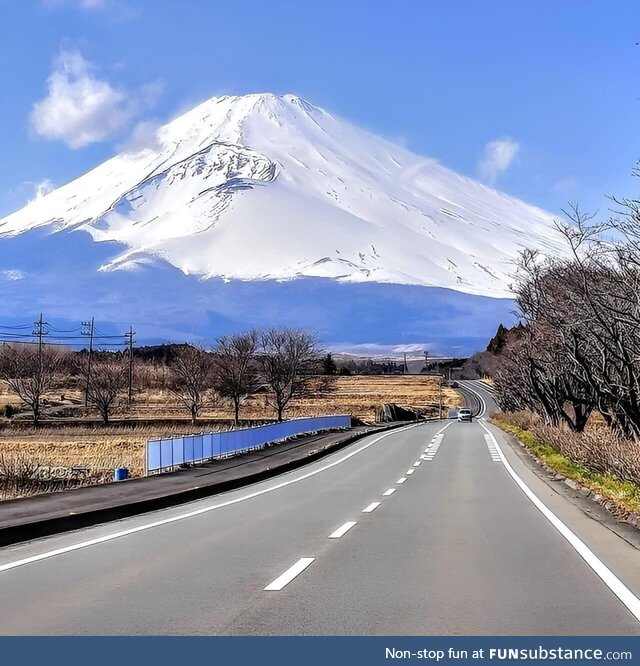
[{"x": 624, "y": 494}]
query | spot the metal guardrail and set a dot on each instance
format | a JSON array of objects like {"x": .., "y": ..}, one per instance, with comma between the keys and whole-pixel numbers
[{"x": 170, "y": 452}]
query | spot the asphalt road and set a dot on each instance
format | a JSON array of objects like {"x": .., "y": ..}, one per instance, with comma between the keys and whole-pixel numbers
[{"x": 457, "y": 547}]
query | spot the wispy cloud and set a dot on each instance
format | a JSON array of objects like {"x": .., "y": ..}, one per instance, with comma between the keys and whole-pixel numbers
[
  {"x": 12, "y": 274},
  {"x": 87, "y": 5},
  {"x": 415, "y": 350},
  {"x": 77, "y": 4},
  {"x": 81, "y": 108},
  {"x": 496, "y": 158},
  {"x": 110, "y": 10},
  {"x": 144, "y": 136},
  {"x": 41, "y": 188}
]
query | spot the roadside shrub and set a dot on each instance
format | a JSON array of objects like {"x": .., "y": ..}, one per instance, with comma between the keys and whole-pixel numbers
[
  {"x": 597, "y": 449},
  {"x": 9, "y": 411}
]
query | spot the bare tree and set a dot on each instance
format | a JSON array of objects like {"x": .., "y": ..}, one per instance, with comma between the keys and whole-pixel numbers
[
  {"x": 235, "y": 368},
  {"x": 106, "y": 382},
  {"x": 192, "y": 379},
  {"x": 287, "y": 356},
  {"x": 582, "y": 322},
  {"x": 31, "y": 372}
]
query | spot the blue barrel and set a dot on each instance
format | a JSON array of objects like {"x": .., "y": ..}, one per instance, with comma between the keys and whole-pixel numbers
[{"x": 121, "y": 474}]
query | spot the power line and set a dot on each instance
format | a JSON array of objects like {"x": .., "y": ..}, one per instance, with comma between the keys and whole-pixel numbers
[{"x": 42, "y": 333}]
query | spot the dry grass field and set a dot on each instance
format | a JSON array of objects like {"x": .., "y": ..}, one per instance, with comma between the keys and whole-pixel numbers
[{"x": 73, "y": 452}]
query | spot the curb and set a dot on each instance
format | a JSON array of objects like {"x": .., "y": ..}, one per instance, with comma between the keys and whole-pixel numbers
[{"x": 40, "y": 528}]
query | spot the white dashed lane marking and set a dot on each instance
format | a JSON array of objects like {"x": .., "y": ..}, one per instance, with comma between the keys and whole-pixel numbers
[
  {"x": 290, "y": 574},
  {"x": 343, "y": 529},
  {"x": 372, "y": 507},
  {"x": 386, "y": 493},
  {"x": 432, "y": 449}
]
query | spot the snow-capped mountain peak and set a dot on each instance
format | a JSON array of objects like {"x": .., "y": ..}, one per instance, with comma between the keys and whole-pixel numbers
[{"x": 264, "y": 186}]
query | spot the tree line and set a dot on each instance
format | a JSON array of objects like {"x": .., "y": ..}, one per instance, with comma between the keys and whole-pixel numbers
[
  {"x": 277, "y": 361},
  {"x": 577, "y": 347}
]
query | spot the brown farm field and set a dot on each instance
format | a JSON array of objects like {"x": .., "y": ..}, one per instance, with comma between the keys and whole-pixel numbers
[{"x": 76, "y": 450}]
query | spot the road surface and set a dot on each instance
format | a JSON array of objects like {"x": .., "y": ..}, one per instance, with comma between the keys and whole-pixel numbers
[{"x": 423, "y": 530}]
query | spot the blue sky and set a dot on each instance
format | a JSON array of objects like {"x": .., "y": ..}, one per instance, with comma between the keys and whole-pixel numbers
[{"x": 540, "y": 98}]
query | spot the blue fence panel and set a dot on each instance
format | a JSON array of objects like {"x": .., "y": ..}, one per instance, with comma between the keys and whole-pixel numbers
[
  {"x": 178, "y": 451},
  {"x": 225, "y": 443},
  {"x": 167, "y": 453},
  {"x": 207, "y": 446},
  {"x": 198, "y": 447},
  {"x": 217, "y": 444},
  {"x": 188, "y": 448},
  {"x": 153, "y": 454}
]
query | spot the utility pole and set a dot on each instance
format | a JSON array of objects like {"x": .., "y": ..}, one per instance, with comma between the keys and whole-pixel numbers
[
  {"x": 40, "y": 332},
  {"x": 405, "y": 369},
  {"x": 90, "y": 326},
  {"x": 440, "y": 398},
  {"x": 129, "y": 338}
]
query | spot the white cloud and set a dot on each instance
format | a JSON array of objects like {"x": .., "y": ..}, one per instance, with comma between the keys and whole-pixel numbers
[
  {"x": 80, "y": 4},
  {"x": 13, "y": 274},
  {"x": 143, "y": 137},
  {"x": 81, "y": 108},
  {"x": 496, "y": 158},
  {"x": 41, "y": 189},
  {"x": 149, "y": 94},
  {"x": 373, "y": 349},
  {"x": 111, "y": 10}
]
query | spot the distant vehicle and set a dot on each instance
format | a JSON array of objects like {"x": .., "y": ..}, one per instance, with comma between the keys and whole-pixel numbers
[{"x": 464, "y": 414}]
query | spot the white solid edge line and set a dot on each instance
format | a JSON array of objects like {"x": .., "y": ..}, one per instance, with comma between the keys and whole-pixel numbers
[
  {"x": 605, "y": 574},
  {"x": 372, "y": 507},
  {"x": 289, "y": 574},
  {"x": 190, "y": 514},
  {"x": 402, "y": 479},
  {"x": 343, "y": 529},
  {"x": 386, "y": 493}
]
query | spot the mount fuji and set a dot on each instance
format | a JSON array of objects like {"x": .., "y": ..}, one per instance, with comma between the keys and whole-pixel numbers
[{"x": 265, "y": 209}]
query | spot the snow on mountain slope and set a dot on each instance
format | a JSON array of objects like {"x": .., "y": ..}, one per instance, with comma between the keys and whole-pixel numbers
[{"x": 270, "y": 187}]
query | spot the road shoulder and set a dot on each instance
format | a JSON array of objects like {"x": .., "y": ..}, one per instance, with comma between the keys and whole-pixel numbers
[{"x": 614, "y": 542}]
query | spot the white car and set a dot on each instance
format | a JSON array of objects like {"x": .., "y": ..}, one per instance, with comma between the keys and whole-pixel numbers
[{"x": 464, "y": 414}]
